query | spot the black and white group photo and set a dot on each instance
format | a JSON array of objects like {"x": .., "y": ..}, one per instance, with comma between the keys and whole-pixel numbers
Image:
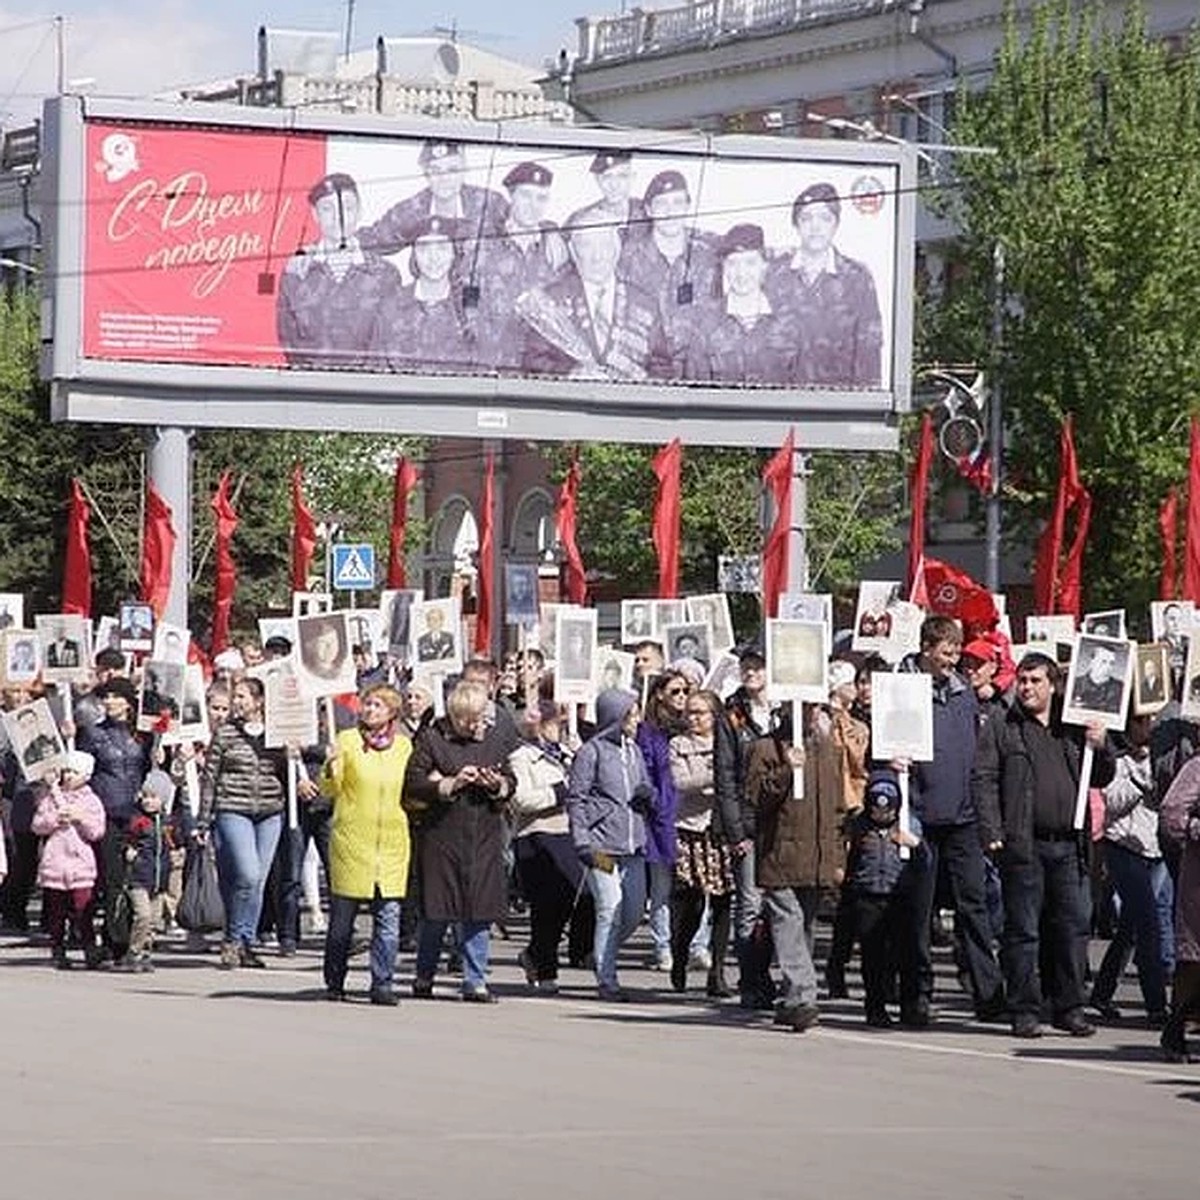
[{"x": 608, "y": 265}]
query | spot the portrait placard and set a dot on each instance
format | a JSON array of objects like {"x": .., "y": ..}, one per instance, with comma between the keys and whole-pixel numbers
[
  {"x": 664, "y": 613},
  {"x": 322, "y": 660},
  {"x": 807, "y": 606},
  {"x": 1110, "y": 624},
  {"x": 884, "y": 623},
  {"x": 1152, "y": 680},
  {"x": 797, "y": 666},
  {"x": 713, "y": 610},
  {"x": 614, "y": 669},
  {"x": 521, "y": 594},
  {"x": 290, "y": 714},
  {"x": 395, "y": 610},
  {"x": 435, "y": 631},
  {"x": 365, "y": 627},
  {"x": 136, "y": 627},
  {"x": 1171, "y": 619},
  {"x": 12, "y": 610},
  {"x": 739, "y": 573},
  {"x": 1189, "y": 706},
  {"x": 277, "y": 627},
  {"x": 306, "y": 603},
  {"x": 193, "y": 724},
  {"x": 901, "y": 716},
  {"x": 1049, "y": 631},
  {"x": 22, "y": 656},
  {"x": 637, "y": 621},
  {"x": 725, "y": 677},
  {"x": 546, "y": 630},
  {"x": 688, "y": 642},
  {"x": 35, "y": 739},
  {"x": 1099, "y": 681},
  {"x": 160, "y": 698},
  {"x": 575, "y": 667},
  {"x": 107, "y": 636},
  {"x": 66, "y": 647},
  {"x": 171, "y": 643}
]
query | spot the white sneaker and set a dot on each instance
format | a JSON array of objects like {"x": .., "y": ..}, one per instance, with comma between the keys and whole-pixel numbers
[
  {"x": 662, "y": 961},
  {"x": 700, "y": 960}
]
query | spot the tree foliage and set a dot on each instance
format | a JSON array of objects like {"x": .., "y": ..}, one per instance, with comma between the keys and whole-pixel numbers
[{"x": 1093, "y": 195}]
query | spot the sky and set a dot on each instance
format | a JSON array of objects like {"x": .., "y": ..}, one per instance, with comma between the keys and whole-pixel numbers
[{"x": 137, "y": 47}]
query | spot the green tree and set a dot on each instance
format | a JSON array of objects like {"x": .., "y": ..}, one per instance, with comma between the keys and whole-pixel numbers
[{"x": 1093, "y": 194}]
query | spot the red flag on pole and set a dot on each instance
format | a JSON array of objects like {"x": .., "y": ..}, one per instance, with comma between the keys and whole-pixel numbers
[
  {"x": 487, "y": 561},
  {"x": 575, "y": 578},
  {"x": 406, "y": 479},
  {"x": 226, "y": 523},
  {"x": 668, "y": 466},
  {"x": 304, "y": 533},
  {"x": 953, "y": 593},
  {"x": 158, "y": 551},
  {"x": 1191, "y": 553},
  {"x": 77, "y": 563},
  {"x": 919, "y": 490},
  {"x": 777, "y": 478},
  {"x": 1168, "y": 527},
  {"x": 1054, "y": 592}
]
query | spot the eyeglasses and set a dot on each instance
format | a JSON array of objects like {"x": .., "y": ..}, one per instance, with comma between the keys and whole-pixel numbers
[{"x": 677, "y": 691}]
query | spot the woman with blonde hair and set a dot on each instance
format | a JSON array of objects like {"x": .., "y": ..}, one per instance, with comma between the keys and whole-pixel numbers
[
  {"x": 458, "y": 784},
  {"x": 368, "y": 844}
]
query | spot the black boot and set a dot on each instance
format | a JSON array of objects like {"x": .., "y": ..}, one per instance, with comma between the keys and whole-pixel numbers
[
  {"x": 718, "y": 987},
  {"x": 1173, "y": 1040}
]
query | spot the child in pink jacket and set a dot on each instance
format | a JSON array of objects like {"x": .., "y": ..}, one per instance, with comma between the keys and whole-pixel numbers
[{"x": 71, "y": 818}]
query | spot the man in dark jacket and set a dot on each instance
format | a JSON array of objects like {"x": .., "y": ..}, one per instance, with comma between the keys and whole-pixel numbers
[
  {"x": 941, "y": 799},
  {"x": 748, "y": 717},
  {"x": 1026, "y": 781}
]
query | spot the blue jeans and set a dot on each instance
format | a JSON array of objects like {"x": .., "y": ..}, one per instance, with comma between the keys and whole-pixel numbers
[
  {"x": 620, "y": 896},
  {"x": 474, "y": 943},
  {"x": 1050, "y": 887},
  {"x": 660, "y": 878},
  {"x": 1146, "y": 895},
  {"x": 245, "y": 848},
  {"x": 313, "y": 826},
  {"x": 385, "y": 939}
]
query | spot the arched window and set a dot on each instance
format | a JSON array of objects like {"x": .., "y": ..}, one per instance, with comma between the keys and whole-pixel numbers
[{"x": 533, "y": 533}]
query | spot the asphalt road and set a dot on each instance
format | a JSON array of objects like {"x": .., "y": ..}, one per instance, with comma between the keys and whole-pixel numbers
[{"x": 194, "y": 1084}]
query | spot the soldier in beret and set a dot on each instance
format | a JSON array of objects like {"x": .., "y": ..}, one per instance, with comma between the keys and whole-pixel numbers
[
  {"x": 472, "y": 211},
  {"x": 424, "y": 329},
  {"x": 331, "y": 292},
  {"x": 832, "y": 297},
  {"x": 613, "y": 172},
  {"x": 745, "y": 340},
  {"x": 589, "y": 322},
  {"x": 673, "y": 263},
  {"x": 528, "y": 252}
]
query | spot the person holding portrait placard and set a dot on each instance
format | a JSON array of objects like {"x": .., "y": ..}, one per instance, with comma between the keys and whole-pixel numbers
[
  {"x": 1025, "y": 782},
  {"x": 943, "y": 800}
]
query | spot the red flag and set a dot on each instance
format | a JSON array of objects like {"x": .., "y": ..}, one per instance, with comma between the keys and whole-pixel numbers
[
  {"x": 1054, "y": 592},
  {"x": 77, "y": 564},
  {"x": 304, "y": 533},
  {"x": 487, "y": 560},
  {"x": 158, "y": 551},
  {"x": 919, "y": 489},
  {"x": 976, "y": 469},
  {"x": 1168, "y": 525},
  {"x": 1191, "y": 550},
  {"x": 406, "y": 479},
  {"x": 226, "y": 523},
  {"x": 777, "y": 477},
  {"x": 668, "y": 465},
  {"x": 575, "y": 578},
  {"x": 953, "y": 593}
]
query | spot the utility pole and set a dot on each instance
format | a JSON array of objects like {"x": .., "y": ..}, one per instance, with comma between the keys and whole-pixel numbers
[
  {"x": 349, "y": 26},
  {"x": 60, "y": 55},
  {"x": 995, "y": 426}
]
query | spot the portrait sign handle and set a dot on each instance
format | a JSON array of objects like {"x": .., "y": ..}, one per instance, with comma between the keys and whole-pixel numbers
[
  {"x": 191, "y": 783},
  {"x": 905, "y": 812},
  {"x": 1085, "y": 778}
]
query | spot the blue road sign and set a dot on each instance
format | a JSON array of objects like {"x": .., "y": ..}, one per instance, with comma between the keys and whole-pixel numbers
[{"x": 353, "y": 566}]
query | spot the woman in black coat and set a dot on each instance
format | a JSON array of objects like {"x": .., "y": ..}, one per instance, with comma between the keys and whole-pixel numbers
[{"x": 456, "y": 787}]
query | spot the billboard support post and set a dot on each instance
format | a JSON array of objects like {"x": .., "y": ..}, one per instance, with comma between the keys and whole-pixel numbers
[
  {"x": 168, "y": 466},
  {"x": 797, "y": 577}
]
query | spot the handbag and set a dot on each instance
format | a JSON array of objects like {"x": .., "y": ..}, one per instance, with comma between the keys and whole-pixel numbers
[
  {"x": 200, "y": 907},
  {"x": 119, "y": 918}
]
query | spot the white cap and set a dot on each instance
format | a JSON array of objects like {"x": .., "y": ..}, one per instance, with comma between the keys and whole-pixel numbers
[
  {"x": 81, "y": 762},
  {"x": 841, "y": 674}
]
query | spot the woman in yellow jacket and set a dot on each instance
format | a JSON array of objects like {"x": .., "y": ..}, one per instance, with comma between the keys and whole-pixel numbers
[{"x": 369, "y": 845}]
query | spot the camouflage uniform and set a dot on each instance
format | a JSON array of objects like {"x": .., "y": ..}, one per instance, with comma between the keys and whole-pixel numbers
[
  {"x": 421, "y": 336},
  {"x": 503, "y": 268},
  {"x": 634, "y": 348},
  {"x": 838, "y": 319},
  {"x": 483, "y": 214},
  {"x": 327, "y": 322},
  {"x": 765, "y": 353},
  {"x": 644, "y": 266}
]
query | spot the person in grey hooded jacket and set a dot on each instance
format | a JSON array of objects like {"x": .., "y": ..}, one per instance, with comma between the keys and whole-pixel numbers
[{"x": 608, "y": 797}]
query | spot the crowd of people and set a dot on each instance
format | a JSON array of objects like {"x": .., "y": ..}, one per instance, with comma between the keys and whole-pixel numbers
[{"x": 728, "y": 825}]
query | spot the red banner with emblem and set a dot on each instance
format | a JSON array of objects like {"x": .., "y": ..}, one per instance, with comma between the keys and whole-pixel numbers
[{"x": 186, "y": 236}]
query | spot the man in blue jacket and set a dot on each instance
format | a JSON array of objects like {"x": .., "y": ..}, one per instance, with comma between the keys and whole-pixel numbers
[{"x": 942, "y": 799}]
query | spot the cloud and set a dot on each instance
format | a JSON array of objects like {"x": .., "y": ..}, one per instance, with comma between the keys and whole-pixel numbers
[{"x": 134, "y": 49}]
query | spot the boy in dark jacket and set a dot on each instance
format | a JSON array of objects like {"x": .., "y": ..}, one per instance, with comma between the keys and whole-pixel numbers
[
  {"x": 157, "y": 829},
  {"x": 880, "y": 883}
]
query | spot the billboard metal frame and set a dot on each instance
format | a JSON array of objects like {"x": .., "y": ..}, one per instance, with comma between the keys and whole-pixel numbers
[{"x": 187, "y": 395}]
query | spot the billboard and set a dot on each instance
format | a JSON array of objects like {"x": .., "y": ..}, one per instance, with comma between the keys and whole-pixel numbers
[{"x": 233, "y": 266}]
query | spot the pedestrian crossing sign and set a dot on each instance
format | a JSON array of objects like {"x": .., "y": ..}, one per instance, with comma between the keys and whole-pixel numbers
[{"x": 353, "y": 566}]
